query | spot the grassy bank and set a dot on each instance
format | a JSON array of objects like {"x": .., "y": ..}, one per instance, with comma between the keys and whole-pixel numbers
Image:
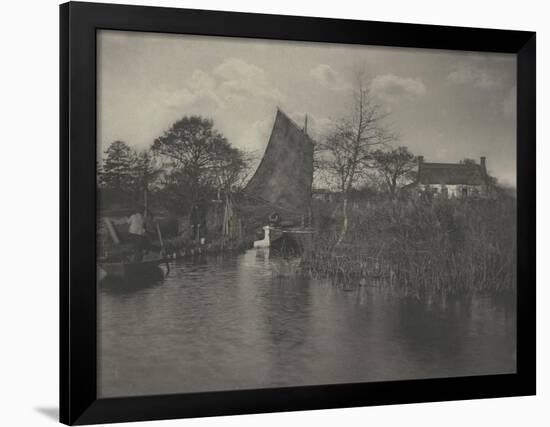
[{"x": 453, "y": 246}]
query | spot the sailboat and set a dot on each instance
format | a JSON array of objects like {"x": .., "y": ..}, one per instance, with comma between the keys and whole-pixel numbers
[{"x": 283, "y": 181}]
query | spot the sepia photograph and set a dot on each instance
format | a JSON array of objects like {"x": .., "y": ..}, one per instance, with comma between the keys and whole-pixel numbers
[{"x": 280, "y": 213}]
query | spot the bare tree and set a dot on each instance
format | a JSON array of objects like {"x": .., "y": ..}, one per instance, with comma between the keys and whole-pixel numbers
[
  {"x": 395, "y": 166},
  {"x": 346, "y": 150}
]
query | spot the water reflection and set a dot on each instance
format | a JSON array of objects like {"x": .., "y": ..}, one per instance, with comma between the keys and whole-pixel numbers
[
  {"x": 133, "y": 283},
  {"x": 218, "y": 323}
]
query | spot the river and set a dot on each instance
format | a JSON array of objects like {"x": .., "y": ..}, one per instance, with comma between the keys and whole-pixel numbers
[{"x": 224, "y": 323}]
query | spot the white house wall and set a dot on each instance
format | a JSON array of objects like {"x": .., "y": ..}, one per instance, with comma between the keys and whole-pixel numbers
[{"x": 453, "y": 190}]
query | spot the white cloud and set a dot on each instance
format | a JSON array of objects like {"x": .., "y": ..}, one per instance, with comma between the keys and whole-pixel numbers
[
  {"x": 255, "y": 136},
  {"x": 176, "y": 99},
  {"x": 509, "y": 103},
  {"x": 243, "y": 80},
  {"x": 391, "y": 88},
  {"x": 201, "y": 80},
  {"x": 232, "y": 80},
  {"x": 474, "y": 75},
  {"x": 199, "y": 88},
  {"x": 328, "y": 77},
  {"x": 235, "y": 68}
]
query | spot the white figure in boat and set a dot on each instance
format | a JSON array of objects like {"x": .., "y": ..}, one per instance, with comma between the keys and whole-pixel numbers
[{"x": 266, "y": 241}]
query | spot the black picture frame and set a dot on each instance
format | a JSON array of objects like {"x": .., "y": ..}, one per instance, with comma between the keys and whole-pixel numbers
[{"x": 78, "y": 368}]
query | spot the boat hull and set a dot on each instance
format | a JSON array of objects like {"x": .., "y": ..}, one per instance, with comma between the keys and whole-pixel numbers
[
  {"x": 291, "y": 242},
  {"x": 123, "y": 270}
]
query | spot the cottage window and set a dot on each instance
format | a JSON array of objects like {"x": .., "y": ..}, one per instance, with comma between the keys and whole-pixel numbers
[{"x": 464, "y": 192}]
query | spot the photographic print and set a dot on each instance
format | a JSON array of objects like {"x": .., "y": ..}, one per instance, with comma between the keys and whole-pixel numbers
[{"x": 281, "y": 213}]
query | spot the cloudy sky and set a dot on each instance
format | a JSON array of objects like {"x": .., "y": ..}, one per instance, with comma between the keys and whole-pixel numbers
[{"x": 444, "y": 105}]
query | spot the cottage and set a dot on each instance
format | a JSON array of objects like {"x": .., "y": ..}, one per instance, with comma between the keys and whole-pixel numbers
[{"x": 467, "y": 179}]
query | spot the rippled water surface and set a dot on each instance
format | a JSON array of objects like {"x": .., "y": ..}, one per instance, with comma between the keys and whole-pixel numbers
[{"x": 230, "y": 322}]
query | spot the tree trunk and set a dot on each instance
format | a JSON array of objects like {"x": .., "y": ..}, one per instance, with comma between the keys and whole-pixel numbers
[
  {"x": 145, "y": 187},
  {"x": 145, "y": 202},
  {"x": 393, "y": 186},
  {"x": 345, "y": 225}
]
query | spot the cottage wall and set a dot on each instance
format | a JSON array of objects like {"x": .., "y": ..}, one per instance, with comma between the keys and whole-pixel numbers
[{"x": 458, "y": 191}]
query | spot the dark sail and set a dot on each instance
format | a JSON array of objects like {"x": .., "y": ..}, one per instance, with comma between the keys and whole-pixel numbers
[{"x": 285, "y": 174}]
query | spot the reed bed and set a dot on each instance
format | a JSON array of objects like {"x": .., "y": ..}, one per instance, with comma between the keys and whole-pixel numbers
[{"x": 422, "y": 246}]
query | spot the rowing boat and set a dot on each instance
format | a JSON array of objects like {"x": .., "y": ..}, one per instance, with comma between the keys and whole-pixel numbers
[{"x": 124, "y": 269}]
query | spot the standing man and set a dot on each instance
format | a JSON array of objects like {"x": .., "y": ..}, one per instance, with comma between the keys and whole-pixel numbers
[
  {"x": 137, "y": 234},
  {"x": 197, "y": 218}
]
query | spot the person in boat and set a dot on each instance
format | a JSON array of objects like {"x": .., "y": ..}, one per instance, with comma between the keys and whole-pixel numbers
[
  {"x": 274, "y": 219},
  {"x": 137, "y": 230}
]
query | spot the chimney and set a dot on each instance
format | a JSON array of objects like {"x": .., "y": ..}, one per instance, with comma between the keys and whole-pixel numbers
[
  {"x": 420, "y": 160},
  {"x": 482, "y": 163}
]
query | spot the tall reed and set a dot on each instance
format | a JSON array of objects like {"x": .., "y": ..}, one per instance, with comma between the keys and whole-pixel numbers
[{"x": 447, "y": 245}]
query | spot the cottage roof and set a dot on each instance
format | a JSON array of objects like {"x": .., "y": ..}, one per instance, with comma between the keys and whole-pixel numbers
[{"x": 451, "y": 174}]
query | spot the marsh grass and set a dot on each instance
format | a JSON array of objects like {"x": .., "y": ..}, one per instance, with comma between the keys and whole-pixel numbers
[
  {"x": 286, "y": 267},
  {"x": 421, "y": 246}
]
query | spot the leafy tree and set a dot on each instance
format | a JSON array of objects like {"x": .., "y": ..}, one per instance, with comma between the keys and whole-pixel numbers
[
  {"x": 198, "y": 159},
  {"x": 395, "y": 166},
  {"x": 115, "y": 172}
]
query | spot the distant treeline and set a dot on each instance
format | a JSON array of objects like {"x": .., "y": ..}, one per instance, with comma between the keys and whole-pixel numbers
[{"x": 192, "y": 163}]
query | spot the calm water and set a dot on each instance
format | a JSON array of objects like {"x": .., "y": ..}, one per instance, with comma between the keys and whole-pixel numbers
[{"x": 229, "y": 323}]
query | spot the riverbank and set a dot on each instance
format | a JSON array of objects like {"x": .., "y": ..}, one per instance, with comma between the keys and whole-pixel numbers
[{"x": 454, "y": 246}]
